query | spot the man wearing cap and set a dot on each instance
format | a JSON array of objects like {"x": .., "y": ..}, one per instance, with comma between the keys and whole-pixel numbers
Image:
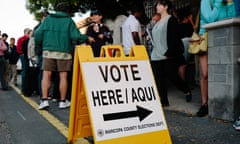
[{"x": 99, "y": 32}]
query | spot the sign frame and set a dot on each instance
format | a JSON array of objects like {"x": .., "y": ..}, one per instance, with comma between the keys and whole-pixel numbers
[{"x": 82, "y": 121}]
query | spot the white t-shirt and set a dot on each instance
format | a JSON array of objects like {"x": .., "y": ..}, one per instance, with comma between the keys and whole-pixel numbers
[{"x": 131, "y": 24}]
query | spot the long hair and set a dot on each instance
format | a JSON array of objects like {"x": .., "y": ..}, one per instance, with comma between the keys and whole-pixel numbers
[{"x": 166, "y": 3}]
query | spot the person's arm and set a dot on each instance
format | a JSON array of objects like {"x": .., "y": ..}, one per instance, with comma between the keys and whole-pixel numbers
[
  {"x": 19, "y": 45},
  {"x": 136, "y": 38},
  {"x": 231, "y": 12},
  {"x": 75, "y": 33},
  {"x": 210, "y": 11},
  {"x": 174, "y": 43},
  {"x": 38, "y": 35},
  {"x": 25, "y": 48},
  {"x": 134, "y": 28},
  {"x": 3, "y": 47},
  {"x": 107, "y": 35}
]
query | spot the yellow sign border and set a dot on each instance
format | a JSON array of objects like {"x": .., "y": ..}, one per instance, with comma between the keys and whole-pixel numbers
[{"x": 80, "y": 120}]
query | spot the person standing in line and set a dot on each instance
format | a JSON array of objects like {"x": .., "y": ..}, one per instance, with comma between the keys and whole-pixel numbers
[
  {"x": 186, "y": 30},
  {"x": 55, "y": 34},
  {"x": 3, "y": 48},
  {"x": 131, "y": 30},
  {"x": 167, "y": 49},
  {"x": 6, "y": 55},
  {"x": 31, "y": 70},
  {"x": 210, "y": 11},
  {"x": 23, "y": 58},
  {"x": 99, "y": 32},
  {"x": 149, "y": 43},
  {"x": 13, "y": 58},
  {"x": 38, "y": 51}
]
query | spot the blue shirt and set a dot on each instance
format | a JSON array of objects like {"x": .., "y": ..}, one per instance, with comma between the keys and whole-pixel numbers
[{"x": 214, "y": 10}]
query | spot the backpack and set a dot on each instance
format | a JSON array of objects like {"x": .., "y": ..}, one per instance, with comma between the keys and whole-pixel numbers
[{"x": 31, "y": 52}]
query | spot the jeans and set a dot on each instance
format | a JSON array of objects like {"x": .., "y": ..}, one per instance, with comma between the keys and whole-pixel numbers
[{"x": 25, "y": 65}]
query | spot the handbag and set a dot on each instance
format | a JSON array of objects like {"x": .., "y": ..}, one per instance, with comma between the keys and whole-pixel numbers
[{"x": 198, "y": 44}]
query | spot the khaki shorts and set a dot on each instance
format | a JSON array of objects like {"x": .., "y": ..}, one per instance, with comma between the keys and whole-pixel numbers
[{"x": 56, "y": 65}]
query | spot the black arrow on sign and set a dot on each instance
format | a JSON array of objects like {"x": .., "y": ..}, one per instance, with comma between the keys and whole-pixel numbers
[{"x": 141, "y": 112}]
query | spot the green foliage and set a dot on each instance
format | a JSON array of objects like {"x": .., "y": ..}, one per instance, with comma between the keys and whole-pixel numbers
[
  {"x": 109, "y": 8},
  {"x": 36, "y": 7}
]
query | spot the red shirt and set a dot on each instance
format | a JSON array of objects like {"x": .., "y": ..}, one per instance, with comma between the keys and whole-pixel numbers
[{"x": 19, "y": 44}]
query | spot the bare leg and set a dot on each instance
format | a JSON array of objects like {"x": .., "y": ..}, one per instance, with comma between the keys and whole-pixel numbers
[
  {"x": 182, "y": 71},
  {"x": 63, "y": 85},
  {"x": 203, "y": 62},
  {"x": 46, "y": 82}
]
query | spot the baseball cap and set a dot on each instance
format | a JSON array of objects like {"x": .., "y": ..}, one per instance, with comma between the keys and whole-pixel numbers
[{"x": 95, "y": 12}]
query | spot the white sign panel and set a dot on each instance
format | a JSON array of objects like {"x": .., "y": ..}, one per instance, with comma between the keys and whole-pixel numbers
[{"x": 123, "y": 99}]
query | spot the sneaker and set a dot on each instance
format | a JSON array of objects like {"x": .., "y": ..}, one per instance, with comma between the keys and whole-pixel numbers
[
  {"x": 63, "y": 104},
  {"x": 236, "y": 124},
  {"x": 54, "y": 100},
  {"x": 239, "y": 60},
  {"x": 203, "y": 111},
  {"x": 188, "y": 97},
  {"x": 43, "y": 105}
]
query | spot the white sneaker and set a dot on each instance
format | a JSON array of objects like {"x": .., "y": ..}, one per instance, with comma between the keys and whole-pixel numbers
[
  {"x": 65, "y": 104},
  {"x": 54, "y": 100},
  {"x": 236, "y": 124},
  {"x": 44, "y": 104}
]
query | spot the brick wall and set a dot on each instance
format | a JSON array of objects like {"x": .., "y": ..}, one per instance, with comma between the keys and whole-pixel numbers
[{"x": 223, "y": 70}]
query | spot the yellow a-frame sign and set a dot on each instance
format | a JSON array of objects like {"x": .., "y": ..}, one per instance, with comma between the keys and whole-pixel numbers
[{"x": 115, "y": 99}]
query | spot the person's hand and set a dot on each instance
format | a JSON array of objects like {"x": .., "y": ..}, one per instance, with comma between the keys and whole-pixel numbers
[
  {"x": 147, "y": 37},
  {"x": 91, "y": 39},
  {"x": 100, "y": 36},
  {"x": 190, "y": 17}
]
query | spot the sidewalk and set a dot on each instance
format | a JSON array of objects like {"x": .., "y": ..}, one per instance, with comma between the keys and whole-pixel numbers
[
  {"x": 186, "y": 128},
  {"x": 178, "y": 103}
]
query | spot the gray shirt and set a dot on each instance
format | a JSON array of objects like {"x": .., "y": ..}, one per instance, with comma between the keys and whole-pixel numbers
[{"x": 159, "y": 34}]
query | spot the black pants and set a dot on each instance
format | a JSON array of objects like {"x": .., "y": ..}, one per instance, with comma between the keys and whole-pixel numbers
[
  {"x": 31, "y": 81},
  {"x": 2, "y": 71},
  {"x": 167, "y": 69}
]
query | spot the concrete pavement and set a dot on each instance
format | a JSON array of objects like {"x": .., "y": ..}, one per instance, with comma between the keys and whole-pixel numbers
[
  {"x": 21, "y": 123},
  {"x": 178, "y": 103},
  {"x": 184, "y": 126}
]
